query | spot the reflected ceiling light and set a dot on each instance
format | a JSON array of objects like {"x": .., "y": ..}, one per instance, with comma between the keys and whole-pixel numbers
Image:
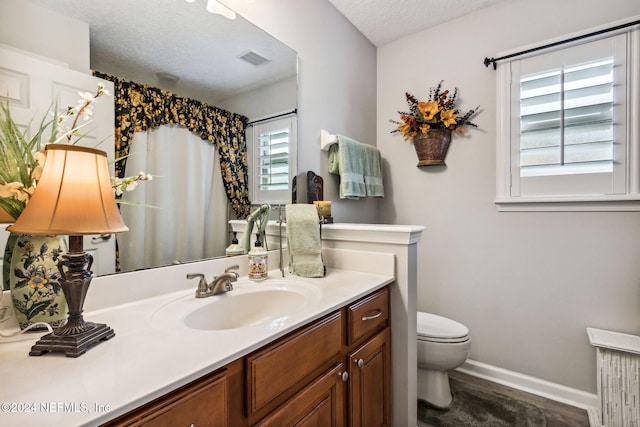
[
  {"x": 167, "y": 78},
  {"x": 215, "y": 6}
]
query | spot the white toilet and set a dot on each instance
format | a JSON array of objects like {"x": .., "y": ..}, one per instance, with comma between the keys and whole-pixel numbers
[{"x": 443, "y": 345}]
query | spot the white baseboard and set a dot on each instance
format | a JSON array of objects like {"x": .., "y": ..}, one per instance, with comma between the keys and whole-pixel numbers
[{"x": 533, "y": 385}]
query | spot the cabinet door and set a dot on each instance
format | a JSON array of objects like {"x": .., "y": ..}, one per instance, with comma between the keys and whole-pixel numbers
[
  {"x": 203, "y": 404},
  {"x": 369, "y": 382},
  {"x": 319, "y": 404}
]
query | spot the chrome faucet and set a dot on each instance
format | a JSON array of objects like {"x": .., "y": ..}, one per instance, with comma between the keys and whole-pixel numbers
[{"x": 219, "y": 285}]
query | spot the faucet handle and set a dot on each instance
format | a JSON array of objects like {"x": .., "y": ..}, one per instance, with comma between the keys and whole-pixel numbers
[
  {"x": 195, "y": 276},
  {"x": 232, "y": 267},
  {"x": 202, "y": 284}
]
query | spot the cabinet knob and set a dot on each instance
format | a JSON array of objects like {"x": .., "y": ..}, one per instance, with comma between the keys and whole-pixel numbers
[
  {"x": 344, "y": 375},
  {"x": 359, "y": 362}
]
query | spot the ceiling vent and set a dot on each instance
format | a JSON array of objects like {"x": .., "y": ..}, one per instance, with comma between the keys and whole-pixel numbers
[{"x": 254, "y": 58}]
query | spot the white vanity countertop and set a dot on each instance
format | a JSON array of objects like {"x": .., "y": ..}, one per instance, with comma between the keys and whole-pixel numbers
[{"x": 144, "y": 360}]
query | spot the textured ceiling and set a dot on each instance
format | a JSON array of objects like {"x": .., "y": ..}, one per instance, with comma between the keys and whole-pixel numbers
[
  {"x": 383, "y": 21},
  {"x": 137, "y": 39}
]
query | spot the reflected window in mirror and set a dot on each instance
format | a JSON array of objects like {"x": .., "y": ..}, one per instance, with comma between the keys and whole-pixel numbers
[{"x": 271, "y": 149}]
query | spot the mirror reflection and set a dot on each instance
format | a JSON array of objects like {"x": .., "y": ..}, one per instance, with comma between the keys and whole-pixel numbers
[{"x": 199, "y": 58}]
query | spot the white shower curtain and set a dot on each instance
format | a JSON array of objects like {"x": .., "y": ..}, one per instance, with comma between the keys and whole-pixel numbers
[{"x": 190, "y": 218}]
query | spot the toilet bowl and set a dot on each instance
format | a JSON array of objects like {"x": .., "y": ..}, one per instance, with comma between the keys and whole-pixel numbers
[{"x": 443, "y": 345}]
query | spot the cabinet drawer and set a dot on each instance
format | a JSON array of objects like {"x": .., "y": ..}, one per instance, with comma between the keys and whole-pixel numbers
[
  {"x": 203, "y": 403},
  {"x": 368, "y": 314},
  {"x": 277, "y": 368}
]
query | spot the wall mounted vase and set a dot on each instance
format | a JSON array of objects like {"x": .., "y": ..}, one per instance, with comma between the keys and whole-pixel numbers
[{"x": 431, "y": 146}]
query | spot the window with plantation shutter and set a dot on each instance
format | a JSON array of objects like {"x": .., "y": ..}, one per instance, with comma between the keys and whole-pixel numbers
[
  {"x": 568, "y": 139},
  {"x": 273, "y": 143},
  {"x": 566, "y": 121}
]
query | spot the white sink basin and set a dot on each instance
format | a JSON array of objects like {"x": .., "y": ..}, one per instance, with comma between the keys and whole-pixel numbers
[{"x": 249, "y": 304}]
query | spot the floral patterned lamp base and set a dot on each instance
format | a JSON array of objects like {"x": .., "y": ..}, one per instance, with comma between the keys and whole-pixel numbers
[{"x": 35, "y": 280}]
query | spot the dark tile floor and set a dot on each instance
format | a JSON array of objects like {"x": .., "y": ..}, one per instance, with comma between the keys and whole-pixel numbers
[{"x": 557, "y": 414}]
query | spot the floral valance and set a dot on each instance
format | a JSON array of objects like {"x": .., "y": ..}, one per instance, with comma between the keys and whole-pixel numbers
[{"x": 139, "y": 107}]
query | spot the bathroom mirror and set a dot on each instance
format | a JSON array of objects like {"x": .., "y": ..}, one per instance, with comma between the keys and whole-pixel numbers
[{"x": 178, "y": 46}]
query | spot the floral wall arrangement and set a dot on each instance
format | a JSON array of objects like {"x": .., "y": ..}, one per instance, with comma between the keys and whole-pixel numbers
[
  {"x": 439, "y": 111},
  {"x": 430, "y": 123}
]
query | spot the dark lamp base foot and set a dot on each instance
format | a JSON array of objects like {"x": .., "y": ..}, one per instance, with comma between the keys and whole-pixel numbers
[{"x": 72, "y": 345}]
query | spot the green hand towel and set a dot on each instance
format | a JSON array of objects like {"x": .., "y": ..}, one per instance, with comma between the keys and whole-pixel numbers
[{"x": 303, "y": 240}]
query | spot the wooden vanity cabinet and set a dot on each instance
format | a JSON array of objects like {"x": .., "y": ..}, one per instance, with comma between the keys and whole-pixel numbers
[{"x": 334, "y": 371}]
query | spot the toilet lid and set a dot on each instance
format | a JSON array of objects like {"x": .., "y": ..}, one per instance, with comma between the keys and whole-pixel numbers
[{"x": 432, "y": 326}]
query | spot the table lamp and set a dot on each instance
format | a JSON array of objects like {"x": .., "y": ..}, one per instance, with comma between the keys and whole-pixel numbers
[{"x": 73, "y": 197}]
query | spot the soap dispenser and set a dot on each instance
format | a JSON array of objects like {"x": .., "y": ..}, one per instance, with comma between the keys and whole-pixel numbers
[
  {"x": 258, "y": 262},
  {"x": 234, "y": 248}
]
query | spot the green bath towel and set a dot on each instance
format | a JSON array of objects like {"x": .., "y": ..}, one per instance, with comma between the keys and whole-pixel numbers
[
  {"x": 359, "y": 166},
  {"x": 303, "y": 240}
]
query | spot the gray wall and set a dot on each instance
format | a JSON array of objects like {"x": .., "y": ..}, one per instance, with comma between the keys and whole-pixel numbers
[
  {"x": 526, "y": 284},
  {"x": 336, "y": 85}
]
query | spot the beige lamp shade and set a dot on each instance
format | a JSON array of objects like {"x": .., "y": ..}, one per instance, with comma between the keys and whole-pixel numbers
[
  {"x": 73, "y": 196},
  {"x": 5, "y": 218}
]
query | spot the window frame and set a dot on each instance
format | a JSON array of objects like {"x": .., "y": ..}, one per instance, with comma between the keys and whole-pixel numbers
[
  {"x": 256, "y": 195},
  {"x": 629, "y": 200}
]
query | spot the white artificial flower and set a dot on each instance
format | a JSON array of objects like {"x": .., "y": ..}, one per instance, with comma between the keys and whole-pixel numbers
[
  {"x": 86, "y": 98},
  {"x": 131, "y": 185},
  {"x": 84, "y": 106},
  {"x": 87, "y": 112},
  {"x": 102, "y": 91},
  {"x": 144, "y": 176}
]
